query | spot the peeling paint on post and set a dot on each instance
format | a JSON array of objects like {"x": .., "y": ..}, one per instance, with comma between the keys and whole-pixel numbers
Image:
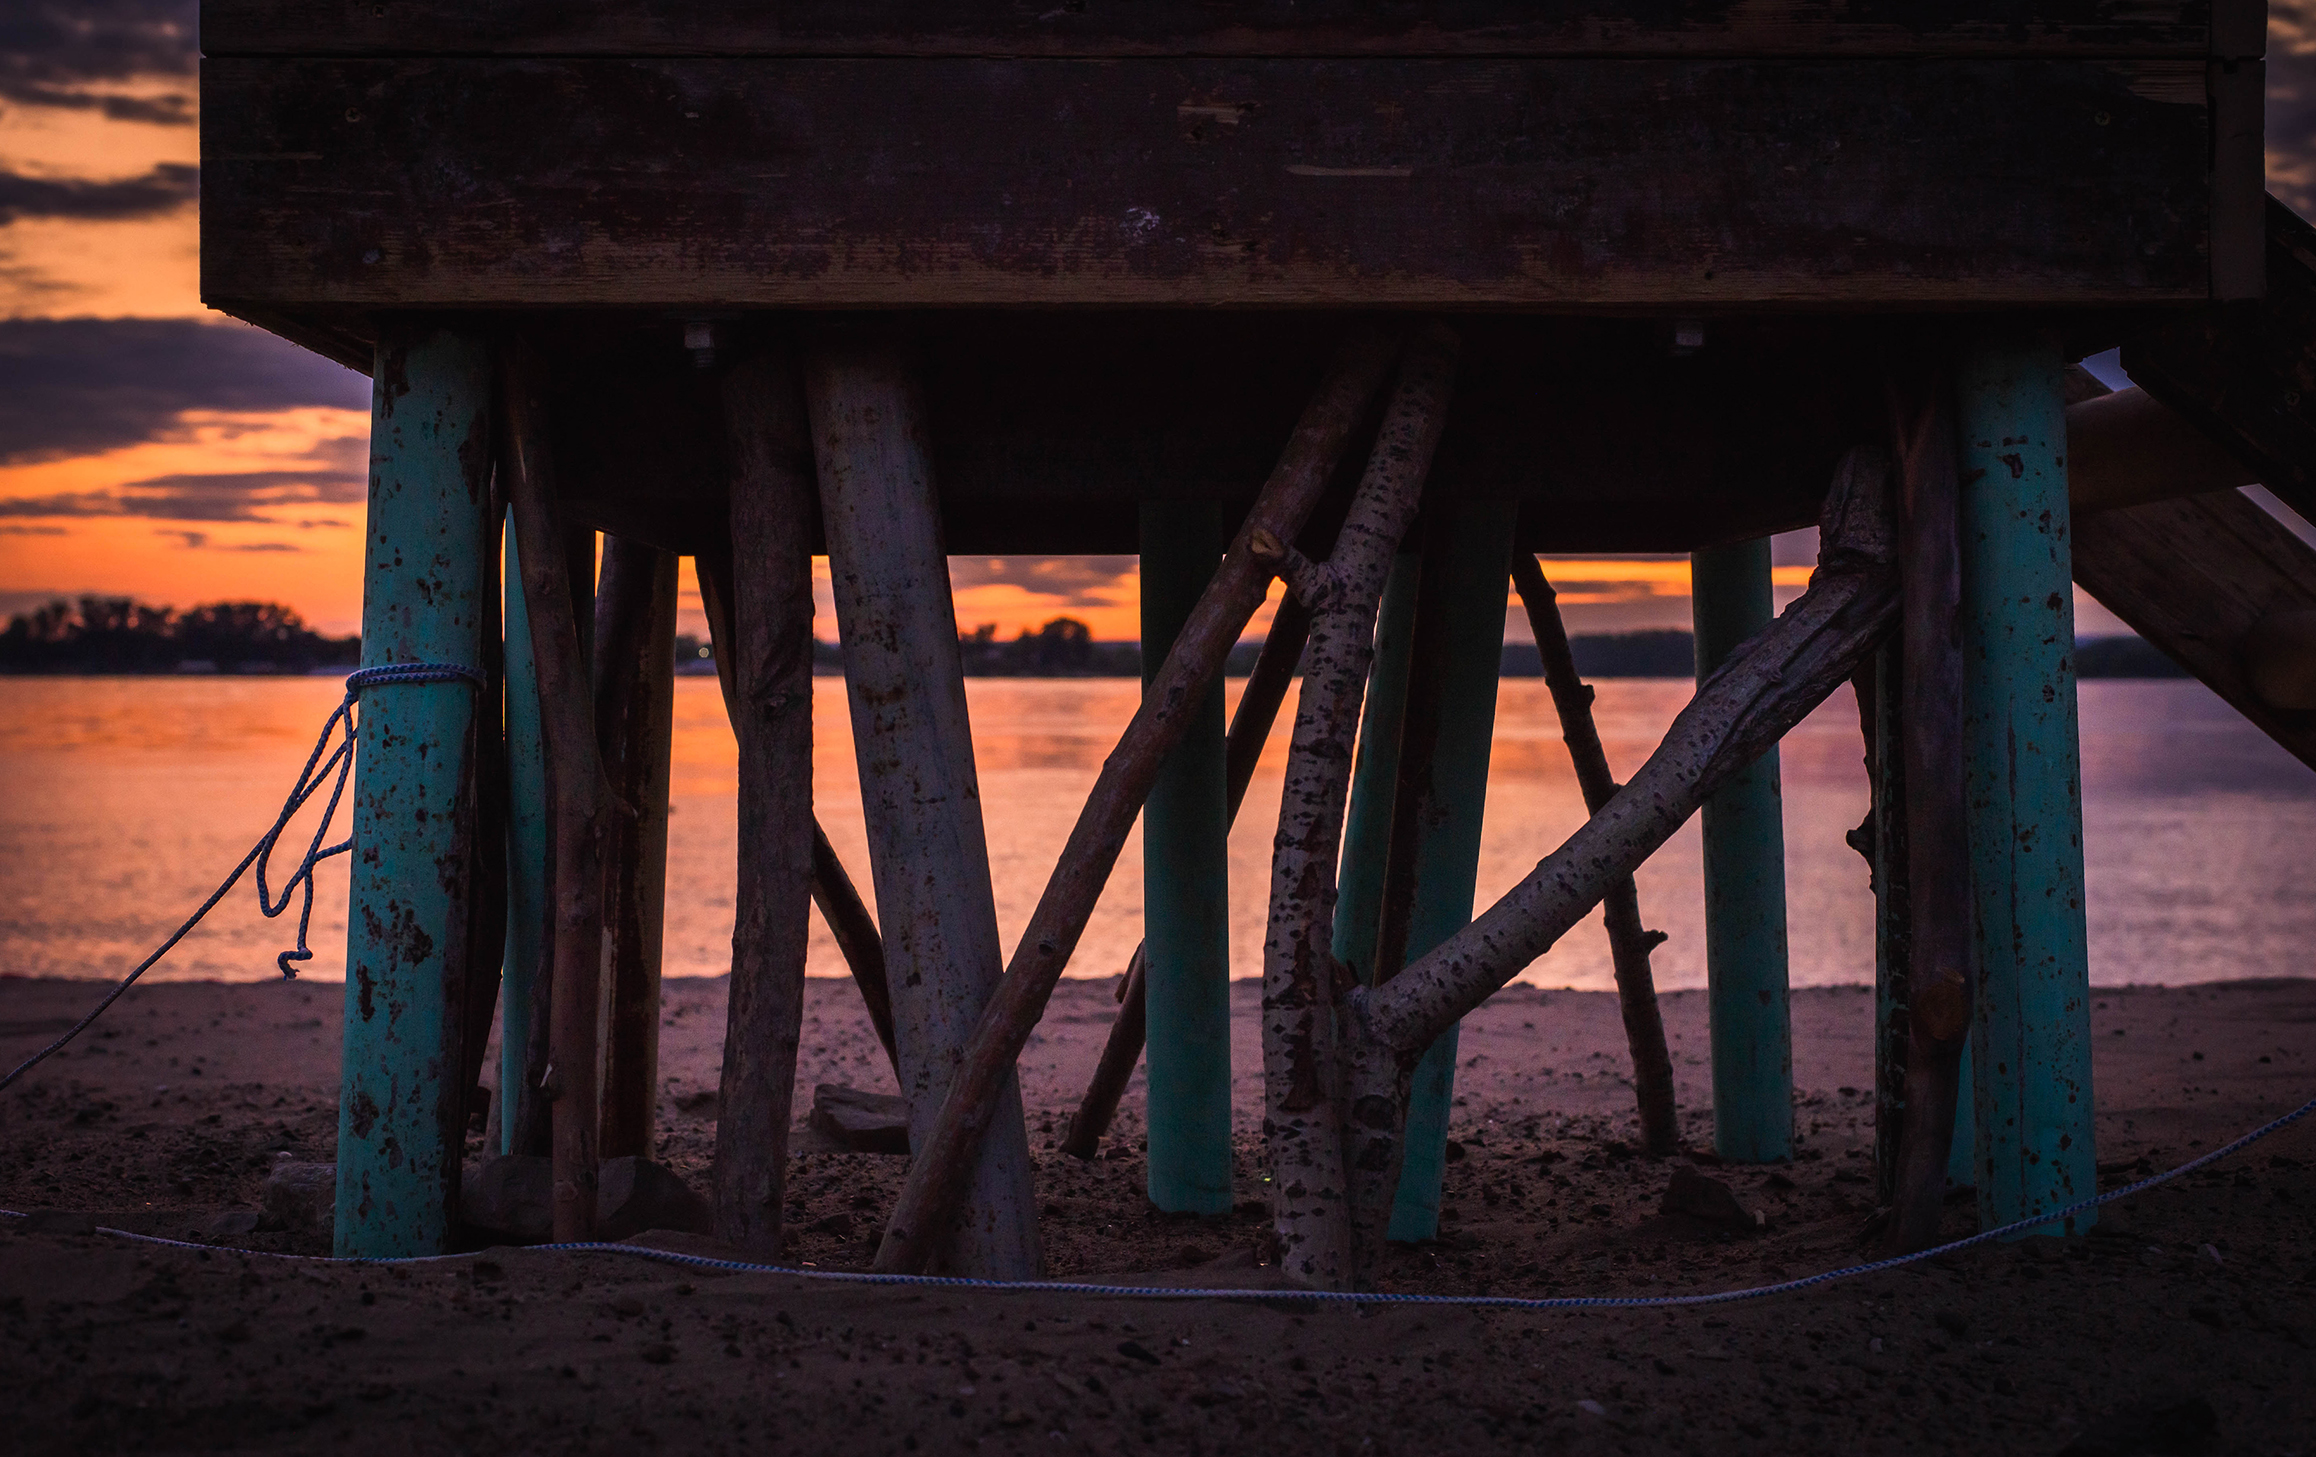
[
  {"x": 1467, "y": 592},
  {"x": 1745, "y": 948},
  {"x": 526, "y": 862},
  {"x": 1186, "y": 889},
  {"x": 400, "y": 1109},
  {"x": 2031, "y": 1042}
]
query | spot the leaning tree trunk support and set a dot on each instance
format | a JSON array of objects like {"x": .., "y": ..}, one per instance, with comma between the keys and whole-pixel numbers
[
  {"x": 1445, "y": 742},
  {"x": 1375, "y": 773},
  {"x": 2032, "y": 1037},
  {"x": 426, "y": 570},
  {"x": 635, "y": 623},
  {"x": 521, "y": 980},
  {"x": 1748, "y": 1016},
  {"x": 920, "y": 796},
  {"x": 1186, "y": 888}
]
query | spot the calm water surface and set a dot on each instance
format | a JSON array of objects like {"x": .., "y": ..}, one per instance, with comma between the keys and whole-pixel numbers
[{"x": 122, "y": 801}]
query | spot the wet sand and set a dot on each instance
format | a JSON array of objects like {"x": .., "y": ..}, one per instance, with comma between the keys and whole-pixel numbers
[{"x": 166, "y": 1117}]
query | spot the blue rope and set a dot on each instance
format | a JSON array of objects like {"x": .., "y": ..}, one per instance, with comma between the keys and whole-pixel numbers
[
  {"x": 333, "y": 769},
  {"x": 1314, "y": 1297}
]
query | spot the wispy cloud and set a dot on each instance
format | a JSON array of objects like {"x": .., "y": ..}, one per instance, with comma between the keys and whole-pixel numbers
[{"x": 166, "y": 188}]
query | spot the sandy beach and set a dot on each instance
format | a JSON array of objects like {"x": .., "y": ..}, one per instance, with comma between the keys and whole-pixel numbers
[{"x": 166, "y": 1118}]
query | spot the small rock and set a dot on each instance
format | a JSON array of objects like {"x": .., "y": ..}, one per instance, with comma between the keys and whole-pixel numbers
[
  {"x": 635, "y": 1194},
  {"x": 1591, "y": 1408},
  {"x": 862, "y": 1122},
  {"x": 232, "y": 1223},
  {"x": 697, "y": 1101},
  {"x": 512, "y": 1196},
  {"x": 1136, "y": 1351},
  {"x": 838, "y": 1224},
  {"x": 1701, "y": 1196},
  {"x": 302, "y": 1198},
  {"x": 2147, "y": 1431}
]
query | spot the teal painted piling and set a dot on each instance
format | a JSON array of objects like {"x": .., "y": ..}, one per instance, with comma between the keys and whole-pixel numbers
[
  {"x": 2031, "y": 1041},
  {"x": 1468, "y": 584},
  {"x": 526, "y": 940},
  {"x": 1186, "y": 889},
  {"x": 1745, "y": 949},
  {"x": 1375, "y": 773},
  {"x": 400, "y": 1125}
]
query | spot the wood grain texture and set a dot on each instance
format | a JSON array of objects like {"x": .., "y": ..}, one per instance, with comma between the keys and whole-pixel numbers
[
  {"x": 1591, "y": 184},
  {"x": 1191, "y": 27},
  {"x": 2194, "y": 576}
]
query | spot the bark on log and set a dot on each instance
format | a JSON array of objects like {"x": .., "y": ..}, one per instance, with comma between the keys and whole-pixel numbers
[
  {"x": 1312, "y": 1217},
  {"x": 579, "y": 800},
  {"x": 1250, "y": 729},
  {"x": 936, "y": 1177},
  {"x": 1629, "y": 942},
  {"x": 635, "y": 621},
  {"x": 1740, "y": 711},
  {"x": 771, "y": 653},
  {"x": 847, "y": 916},
  {"x": 1942, "y": 970}
]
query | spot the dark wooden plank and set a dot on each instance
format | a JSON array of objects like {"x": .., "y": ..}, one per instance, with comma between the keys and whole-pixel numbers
[
  {"x": 1640, "y": 185},
  {"x": 2194, "y": 577},
  {"x": 1199, "y": 27}
]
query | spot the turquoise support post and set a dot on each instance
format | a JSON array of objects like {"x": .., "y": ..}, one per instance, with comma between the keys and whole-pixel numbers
[
  {"x": 1745, "y": 954},
  {"x": 1375, "y": 773},
  {"x": 1467, "y": 591},
  {"x": 526, "y": 857},
  {"x": 1186, "y": 889},
  {"x": 399, "y": 1111},
  {"x": 2031, "y": 1042}
]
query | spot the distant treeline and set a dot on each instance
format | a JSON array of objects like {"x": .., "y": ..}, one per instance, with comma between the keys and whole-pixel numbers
[{"x": 122, "y": 635}]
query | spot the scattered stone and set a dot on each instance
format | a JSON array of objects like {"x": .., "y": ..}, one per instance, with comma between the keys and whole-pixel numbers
[
  {"x": 1701, "y": 1196},
  {"x": 635, "y": 1194},
  {"x": 861, "y": 1122},
  {"x": 231, "y": 1223},
  {"x": 2148, "y": 1431},
  {"x": 1136, "y": 1351},
  {"x": 838, "y": 1224},
  {"x": 1591, "y": 1408},
  {"x": 697, "y": 1101},
  {"x": 301, "y": 1198}
]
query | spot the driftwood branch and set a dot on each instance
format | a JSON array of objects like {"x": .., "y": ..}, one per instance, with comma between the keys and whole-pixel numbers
[
  {"x": 578, "y": 798},
  {"x": 1303, "y": 1110},
  {"x": 1737, "y": 714},
  {"x": 1250, "y": 727},
  {"x": 937, "y": 1175}
]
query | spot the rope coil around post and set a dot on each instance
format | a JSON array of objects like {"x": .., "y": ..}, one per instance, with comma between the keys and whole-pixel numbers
[{"x": 324, "y": 765}]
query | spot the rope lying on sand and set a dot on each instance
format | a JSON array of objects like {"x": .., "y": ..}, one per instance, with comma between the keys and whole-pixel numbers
[
  {"x": 1313, "y": 1297},
  {"x": 333, "y": 769}
]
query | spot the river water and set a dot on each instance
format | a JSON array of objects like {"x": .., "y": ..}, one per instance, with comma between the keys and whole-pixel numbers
[{"x": 122, "y": 801}]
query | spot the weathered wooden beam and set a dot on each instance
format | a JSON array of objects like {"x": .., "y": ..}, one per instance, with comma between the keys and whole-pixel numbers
[
  {"x": 936, "y": 1178},
  {"x": 1185, "y": 953},
  {"x": 771, "y": 651},
  {"x": 1116, "y": 28},
  {"x": 919, "y": 792},
  {"x": 1629, "y": 942},
  {"x": 401, "y": 1113},
  {"x": 2032, "y": 1037},
  {"x": 1338, "y": 183},
  {"x": 1750, "y": 1017},
  {"x": 635, "y": 621},
  {"x": 579, "y": 801},
  {"x": 524, "y": 971}
]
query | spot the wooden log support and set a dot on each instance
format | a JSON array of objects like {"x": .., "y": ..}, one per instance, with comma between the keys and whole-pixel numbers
[
  {"x": 2032, "y": 1038},
  {"x": 847, "y": 916},
  {"x": 1769, "y": 686},
  {"x": 1440, "y": 800},
  {"x": 1364, "y": 864},
  {"x": 1186, "y": 888},
  {"x": 579, "y": 803},
  {"x": 771, "y": 650},
  {"x": 635, "y": 622},
  {"x": 936, "y": 1178},
  {"x": 1629, "y": 942},
  {"x": 1313, "y": 1218},
  {"x": 523, "y": 1000},
  {"x": 401, "y": 1111},
  {"x": 905, "y": 682},
  {"x": 1250, "y": 728},
  {"x": 1928, "y": 732},
  {"x": 1750, "y": 1019}
]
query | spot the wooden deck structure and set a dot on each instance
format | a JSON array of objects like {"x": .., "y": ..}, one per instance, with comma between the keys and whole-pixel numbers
[{"x": 892, "y": 280}]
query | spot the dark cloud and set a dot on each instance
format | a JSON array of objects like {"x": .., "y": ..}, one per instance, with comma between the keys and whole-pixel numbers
[
  {"x": 199, "y": 541},
  {"x": 166, "y": 188},
  {"x": 218, "y": 496},
  {"x": 75, "y": 386},
  {"x": 65, "y": 52},
  {"x": 1080, "y": 581}
]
